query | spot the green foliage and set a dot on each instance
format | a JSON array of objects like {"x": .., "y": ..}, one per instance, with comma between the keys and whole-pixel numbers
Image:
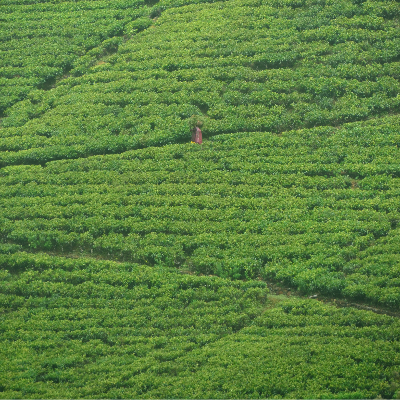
[
  {"x": 84, "y": 328},
  {"x": 195, "y": 120},
  {"x": 297, "y": 183},
  {"x": 316, "y": 209},
  {"x": 41, "y": 42},
  {"x": 137, "y": 25},
  {"x": 241, "y": 66}
]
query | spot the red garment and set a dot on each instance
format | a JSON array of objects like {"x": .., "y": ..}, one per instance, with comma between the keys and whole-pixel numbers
[{"x": 197, "y": 136}]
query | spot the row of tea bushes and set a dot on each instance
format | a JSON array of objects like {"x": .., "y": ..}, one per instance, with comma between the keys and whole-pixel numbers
[
  {"x": 316, "y": 208},
  {"x": 40, "y": 42},
  {"x": 85, "y": 328},
  {"x": 246, "y": 67}
]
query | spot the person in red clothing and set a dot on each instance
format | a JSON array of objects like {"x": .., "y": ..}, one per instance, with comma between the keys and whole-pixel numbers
[
  {"x": 195, "y": 122},
  {"x": 197, "y": 135}
]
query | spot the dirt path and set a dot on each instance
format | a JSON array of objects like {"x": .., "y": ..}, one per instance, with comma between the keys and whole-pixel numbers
[
  {"x": 275, "y": 290},
  {"x": 337, "y": 302}
]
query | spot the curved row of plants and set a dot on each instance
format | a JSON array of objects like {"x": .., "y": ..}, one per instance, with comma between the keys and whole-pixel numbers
[
  {"x": 247, "y": 67},
  {"x": 298, "y": 183},
  {"x": 317, "y": 209},
  {"x": 85, "y": 328},
  {"x": 41, "y": 42}
]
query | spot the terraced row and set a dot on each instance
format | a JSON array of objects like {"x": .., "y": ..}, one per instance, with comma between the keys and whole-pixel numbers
[
  {"x": 245, "y": 66},
  {"x": 317, "y": 209},
  {"x": 84, "y": 329}
]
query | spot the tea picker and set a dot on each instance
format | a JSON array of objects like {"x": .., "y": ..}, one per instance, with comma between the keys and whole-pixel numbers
[{"x": 196, "y": 133}]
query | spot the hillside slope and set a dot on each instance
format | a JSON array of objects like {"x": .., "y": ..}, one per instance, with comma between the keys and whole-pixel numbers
[
  {"x": 108, "y": 213},
  {"x": 316, "y": 209},
  {"x": 90, "y": 329},
  {"x": 246, "y": 66}
]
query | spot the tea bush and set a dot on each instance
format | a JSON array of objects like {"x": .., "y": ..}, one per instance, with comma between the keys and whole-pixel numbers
[{"x": 86, "y": 328}]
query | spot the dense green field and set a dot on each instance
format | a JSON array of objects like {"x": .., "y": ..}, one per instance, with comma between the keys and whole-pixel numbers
[
  {"x": 317, "y": 209},
  {"x": 40, "y": 41},
  {"x": 249, "y": 66},
  {"x": 80, "y": 328},
  {"x": 108, "y": 215}
]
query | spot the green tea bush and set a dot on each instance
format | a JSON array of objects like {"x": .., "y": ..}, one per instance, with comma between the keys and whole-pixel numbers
[
  {"x": 310, "y": 208},
  {"x": 81, "y": 327},
  {"x": 297, "y": 183},
  {"x": 42, "y": 42},
  {"x": 269, "y": 67}
]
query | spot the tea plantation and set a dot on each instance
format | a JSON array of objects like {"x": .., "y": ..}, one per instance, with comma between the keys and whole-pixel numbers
[{"x": 134, "y": 264}]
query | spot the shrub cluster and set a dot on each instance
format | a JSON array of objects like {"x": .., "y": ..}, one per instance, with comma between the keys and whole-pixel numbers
[
  {"x": 91, "y": 329},
  {"x": 316, "y": 209},
  {"x": 246, "y": 67}
]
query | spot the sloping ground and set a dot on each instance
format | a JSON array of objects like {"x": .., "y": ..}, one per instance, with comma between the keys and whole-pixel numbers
[
  {"x": 316, "y": 209},
  {"x": 298, "y": 183},
  {"x": 247, "y": 66},
  {"x": 42, "y": 40},
  {"x": 87, "y": 329}
]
